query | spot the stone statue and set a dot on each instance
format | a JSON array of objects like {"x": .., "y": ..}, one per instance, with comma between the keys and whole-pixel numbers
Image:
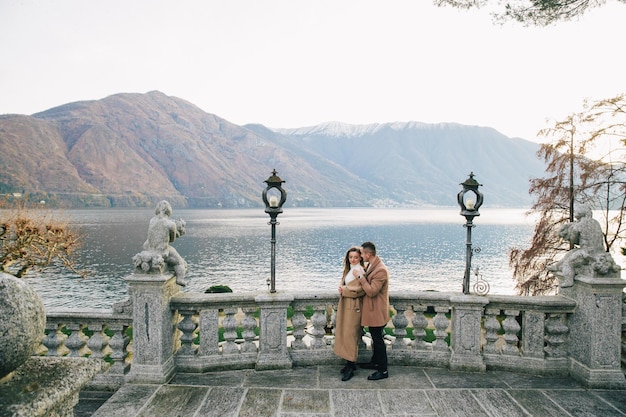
[
  {"x": 157, "y": 252},
  {"x": 588, "y": 257}
]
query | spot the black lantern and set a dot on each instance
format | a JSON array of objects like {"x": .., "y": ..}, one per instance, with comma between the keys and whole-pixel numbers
[
  {"x": 470, "y": 200},
  {"x": 274, "y": 197}
]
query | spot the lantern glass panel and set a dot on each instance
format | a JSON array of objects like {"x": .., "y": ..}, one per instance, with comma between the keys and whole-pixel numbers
[
  {"x": 469, "y": 199},
  {"x": 273, "y": 197}
]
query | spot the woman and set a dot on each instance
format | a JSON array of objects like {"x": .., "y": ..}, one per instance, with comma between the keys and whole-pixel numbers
[{"x": 348, "y": 322}]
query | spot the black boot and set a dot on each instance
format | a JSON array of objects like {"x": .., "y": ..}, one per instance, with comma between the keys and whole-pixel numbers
[{"x": 348, "y": 371}]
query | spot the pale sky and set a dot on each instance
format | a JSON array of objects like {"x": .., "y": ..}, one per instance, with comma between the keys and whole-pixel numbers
[{"x": 299, "y": 63}]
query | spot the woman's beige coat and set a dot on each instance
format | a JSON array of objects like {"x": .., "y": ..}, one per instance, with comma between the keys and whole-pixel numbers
[
  {"x": 348, "y": 320},
  {"x": 376, "y": 300}
]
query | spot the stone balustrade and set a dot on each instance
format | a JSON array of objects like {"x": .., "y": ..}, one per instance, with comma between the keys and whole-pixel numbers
[
  {"x": 508, "y": 332},
  {"x": 100, "y": 334},
  {"x": 196, "y": 332}
]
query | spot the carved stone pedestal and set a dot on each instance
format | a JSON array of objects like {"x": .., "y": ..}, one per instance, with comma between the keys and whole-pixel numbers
[
  {"x": 273, "y": 347},
  {"x": 595, "y": 331},
  {"x": 153, "y": 327},
  {"x": 465, "y": 343}
]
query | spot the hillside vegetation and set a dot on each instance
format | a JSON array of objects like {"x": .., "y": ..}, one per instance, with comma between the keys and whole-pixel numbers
[{"x": 134, "y": 149}]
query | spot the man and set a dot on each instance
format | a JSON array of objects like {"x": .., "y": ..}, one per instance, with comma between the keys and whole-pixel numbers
[{"x": 375, "y": 313}]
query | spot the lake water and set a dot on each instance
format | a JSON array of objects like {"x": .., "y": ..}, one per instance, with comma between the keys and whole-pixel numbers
[{"x": 424, "y": 249}]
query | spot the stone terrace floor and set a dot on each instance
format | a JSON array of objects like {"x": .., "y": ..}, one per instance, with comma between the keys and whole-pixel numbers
[{"x": 318, "y": 391}]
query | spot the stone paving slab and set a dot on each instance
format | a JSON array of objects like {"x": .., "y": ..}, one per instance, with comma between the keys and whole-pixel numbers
[
  {"x": 222, "y": 402},
  {"x": 455, "y": 403},
  {"x": 583, "y": 403},
  {"x": 127, "y": 401},
  {"x": 173, "y": 400},
  {"x": 260, "y": 402},
  {"x": 537, "y": 403},
  {"x": 521, "y": 381},
  {"x": 298, "y": 401},
  {"x": 497, "y": 402},
  {"x": 318, "y": 391},
  {"x": 301, "y": 378},
  {"x": 615, "y": 397},
  {"x": 90, "y": 401},
  {"x": 443, "y": 378},
  {"x": 218, "y": 379}
]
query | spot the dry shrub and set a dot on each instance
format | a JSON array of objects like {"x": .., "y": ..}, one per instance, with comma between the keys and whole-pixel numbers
[{"x": 35, "y": 237}]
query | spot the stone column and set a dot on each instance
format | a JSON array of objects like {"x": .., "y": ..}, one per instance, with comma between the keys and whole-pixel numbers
[
  {"x": 595, "y": 331},
  {"x": 466, "y": 330},
  {"x": 273, "y": 333},
  {"x": 154, "y": 325}
]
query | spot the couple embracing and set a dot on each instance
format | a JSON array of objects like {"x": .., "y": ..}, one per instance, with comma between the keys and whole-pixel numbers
[{"x": 363, "y": 302}]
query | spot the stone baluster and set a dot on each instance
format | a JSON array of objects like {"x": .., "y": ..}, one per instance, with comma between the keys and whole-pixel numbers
[
  {"x": 511, "y": 327},
  {"x": 188, "y": 328},
  {"x": 419, "y": 328},
  {"x": 492, "y": 327},
  {"x": 209, "y": 333},
  {"x": 249, "y": 324},
  {"x": 400, "y": 322},
  {"x": 74, "y": 342},
  {"x": 230, "y": 331},
  {"x": 441, "y": 323},
  {"x": 98, "y": 341},
  {"x": 298, "y": 321},
  {"x": 52, "y": 341},
  {"x": 556, "y": 336},
  {"x": 119, "y": 352},
  {"x": 318, "y": 324}
]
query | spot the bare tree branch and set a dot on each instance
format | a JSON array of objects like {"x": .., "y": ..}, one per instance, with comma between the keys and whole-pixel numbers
[
  {"x": 31, "y": 237},
  {"x": 530, "y": 12},
  {"x": 574, "y": 176}
]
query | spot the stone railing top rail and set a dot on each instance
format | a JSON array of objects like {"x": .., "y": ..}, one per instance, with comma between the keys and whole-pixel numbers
[
  {"x": 220, "y": 300},
  {"x": 86, "y": 313},
  {"x": 554, "y": 303},
  {"x": 425, "y": 298}
]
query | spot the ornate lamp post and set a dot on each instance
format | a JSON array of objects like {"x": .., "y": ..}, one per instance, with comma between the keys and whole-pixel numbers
[
  {"x": 470, "y": 200},
  {"x": 274, "y": 206}
]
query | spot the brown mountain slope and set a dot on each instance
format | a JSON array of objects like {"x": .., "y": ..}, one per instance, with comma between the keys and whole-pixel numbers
[
  {"x": 155, "y": 145},
  {"x": 33, "y": 157},
  {"x": 134, "y": 149}
]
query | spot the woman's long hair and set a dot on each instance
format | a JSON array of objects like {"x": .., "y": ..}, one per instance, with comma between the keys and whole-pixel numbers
[{"x": 346, "y": 259}]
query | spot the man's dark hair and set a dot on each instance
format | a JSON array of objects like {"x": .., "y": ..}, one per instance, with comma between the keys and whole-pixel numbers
[{"x": 370, "y": 247}]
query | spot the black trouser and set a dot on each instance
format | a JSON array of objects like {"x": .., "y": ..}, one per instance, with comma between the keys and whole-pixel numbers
[{"x": 379, "y": 357}]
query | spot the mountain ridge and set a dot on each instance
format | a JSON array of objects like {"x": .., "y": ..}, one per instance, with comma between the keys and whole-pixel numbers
[{"x": 132, "y": 149}]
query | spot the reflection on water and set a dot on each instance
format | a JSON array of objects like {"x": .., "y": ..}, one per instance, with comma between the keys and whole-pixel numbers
[{"x": 424, "y": 250}]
